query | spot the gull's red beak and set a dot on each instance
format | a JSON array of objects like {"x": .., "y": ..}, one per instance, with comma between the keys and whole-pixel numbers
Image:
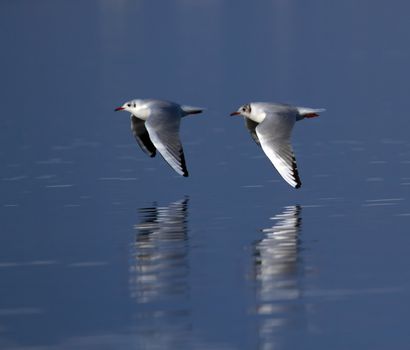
[
  {"x": 235, "y": 113},
  {"x": 119, "y": 109}
]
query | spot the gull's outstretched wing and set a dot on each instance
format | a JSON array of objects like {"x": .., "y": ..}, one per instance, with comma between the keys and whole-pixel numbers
[
  {"x": 274, "y": 135},
  {"x": 163, "y": 129},
  {"x": 141, "y": 135},
  {"x": 251, "y": 125}
]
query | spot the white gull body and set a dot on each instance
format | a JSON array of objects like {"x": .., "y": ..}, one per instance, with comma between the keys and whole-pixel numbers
[
  {"x": 155, "y": 125},
  {"x": 270, "y": 125}
]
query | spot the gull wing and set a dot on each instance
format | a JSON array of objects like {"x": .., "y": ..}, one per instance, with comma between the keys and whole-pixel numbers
[
  {"x": 251, "y": 125},
  {"x": 163, "y": 129},
  {"x": 141, "y": 135},
  {"x": 274, "y": 135}
]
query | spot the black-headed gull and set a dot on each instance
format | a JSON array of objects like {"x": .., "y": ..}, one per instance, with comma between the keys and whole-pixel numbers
[
  {"x": 155, "y": 125},
  {"x": 270, "y": 125}
]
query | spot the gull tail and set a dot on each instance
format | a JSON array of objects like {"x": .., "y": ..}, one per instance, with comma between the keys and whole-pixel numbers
[
  {"x": 305, "y": 112},
  {"x": 192, "y": 110}
]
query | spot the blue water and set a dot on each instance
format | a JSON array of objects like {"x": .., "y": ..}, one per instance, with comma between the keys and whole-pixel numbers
[{"x": 104, "y": 247}]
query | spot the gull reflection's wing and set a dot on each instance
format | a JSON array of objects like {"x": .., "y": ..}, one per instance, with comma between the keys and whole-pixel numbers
[
  {"x": 160, "y": 255},
  {"x": 159, "y": 221},
  {"x": 278, "y": 272},
  {"x": 141, "y": 136},
  {"x": 163, "y": 129},
  {"x": 277, "y": 255}
]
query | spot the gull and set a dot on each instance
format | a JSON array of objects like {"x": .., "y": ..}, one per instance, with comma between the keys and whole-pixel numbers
[
  {"x": 155, "y": 125},
  {"x": 270, "y": 125}
]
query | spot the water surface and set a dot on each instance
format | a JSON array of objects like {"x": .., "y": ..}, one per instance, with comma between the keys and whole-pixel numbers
[{"x": 103, "y": 247}]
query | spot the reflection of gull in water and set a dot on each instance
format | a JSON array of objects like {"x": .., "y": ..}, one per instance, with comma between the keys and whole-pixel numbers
[
  {"x": 159, "y": 276},
  {"x": 276, "y": 272},
  {"x": 276, "y": 257},
  {"x": 159, "y": 266}
]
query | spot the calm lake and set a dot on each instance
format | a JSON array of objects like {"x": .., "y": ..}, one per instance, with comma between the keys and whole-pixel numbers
[{"x": 102, "y": 247}]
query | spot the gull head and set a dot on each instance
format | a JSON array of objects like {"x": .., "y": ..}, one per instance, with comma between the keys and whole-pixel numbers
[
  {"x": 244, "y": 110},
  {"x": 130, "y": 106}
]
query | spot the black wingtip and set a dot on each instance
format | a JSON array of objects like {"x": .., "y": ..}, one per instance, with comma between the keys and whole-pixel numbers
[
  {"x": 296, "y": 173},
  {"x": 183, "y": 163}
]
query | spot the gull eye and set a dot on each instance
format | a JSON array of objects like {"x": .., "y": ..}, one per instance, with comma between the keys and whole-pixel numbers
[
  {"x": 243, "y": 109},
  {"x": 129, "y": 104}
]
